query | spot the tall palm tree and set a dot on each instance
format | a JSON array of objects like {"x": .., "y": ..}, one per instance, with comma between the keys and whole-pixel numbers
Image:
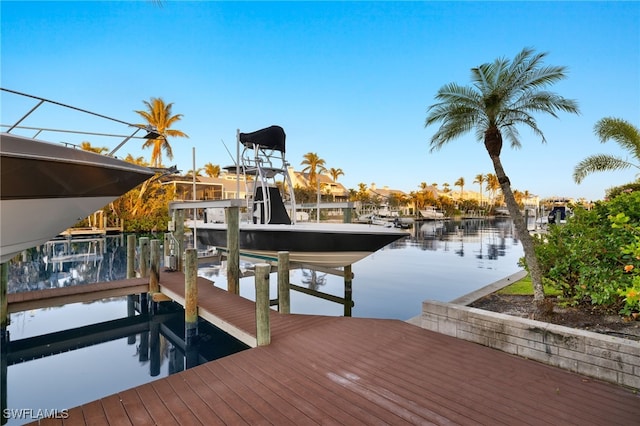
[
  {"x": 212, "y": 170},
  {"x": 335, "y": 174},
  {"x": 504, "y": 94},
  {"x": 160, "y": 117},
  {"x": 460, "y": 183},
  {"x": 480, "y": 179},
  {"x": 314, "y": 165},
  {"x": 622, "y": 132}
]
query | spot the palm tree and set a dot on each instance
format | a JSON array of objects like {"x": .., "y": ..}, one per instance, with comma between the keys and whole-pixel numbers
[
  {"x": 314, "y": 165},
  {"x": 460, "y": 183},
  {"x": 622, "y": 132},
  {"x": 480, "y": 179},
  {"x": 212, "y": 170},
  {"x": 504, "y": 94},
  {"x": 159, "y": 116},
  {"x": 492, "y": 186},
  {"x": 335, "y": 173}
]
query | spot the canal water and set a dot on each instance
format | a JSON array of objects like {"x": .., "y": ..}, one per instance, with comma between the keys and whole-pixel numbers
[{"x": 438, "y": 260}]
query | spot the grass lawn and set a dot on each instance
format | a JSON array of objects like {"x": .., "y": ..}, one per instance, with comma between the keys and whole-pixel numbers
[{"x": 524, "y": 287}]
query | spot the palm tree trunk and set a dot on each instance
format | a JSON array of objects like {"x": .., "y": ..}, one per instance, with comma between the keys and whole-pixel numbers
[{"x": 522, "y": 231}]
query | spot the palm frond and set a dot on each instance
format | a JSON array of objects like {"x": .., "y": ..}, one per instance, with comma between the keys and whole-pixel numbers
[
  {"x": 621, "y": 131},
  {"x": 599, "y": 163}
]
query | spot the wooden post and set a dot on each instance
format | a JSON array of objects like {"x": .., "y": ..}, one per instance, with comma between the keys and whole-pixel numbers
[
  {"x": 284, "y": 299},
  {"x": 263, "y": 327},
  {"x": 233, "y": 247},
  {"x": 558, "y": 217},
  {"x": 144, "y": 257},
  {"x": 154, "y": 277},
  {"x": 4, "y": 306},
  {"x": 526, "y": 218},
  {"x": 191, "y": 296},
  {"x": 348, "y": 294},
  {"x": 131, "y": 256}
]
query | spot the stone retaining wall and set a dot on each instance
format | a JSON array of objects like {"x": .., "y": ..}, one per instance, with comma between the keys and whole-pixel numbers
[{"x": 607, "y": 358}]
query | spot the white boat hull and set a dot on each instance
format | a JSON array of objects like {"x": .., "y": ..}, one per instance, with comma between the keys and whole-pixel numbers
[{"x": 40, "y": 220}]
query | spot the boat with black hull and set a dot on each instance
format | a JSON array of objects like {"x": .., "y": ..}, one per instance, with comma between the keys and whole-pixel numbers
[
  {"x": 46, "y": 187},
  {"x": 270, "y": 225}
]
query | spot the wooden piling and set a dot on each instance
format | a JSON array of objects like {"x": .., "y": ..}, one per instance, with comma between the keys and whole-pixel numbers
[
  {"x": 284, "y": 299},
  {"x": 154, "y": 277},
  {"x": 233, "y": 246},
  {"x": 131, "y": 256},
  {"x": 263, "y": 327},
  {"x": 191, "y": 296},
  {"x": 144, "y": 256}
]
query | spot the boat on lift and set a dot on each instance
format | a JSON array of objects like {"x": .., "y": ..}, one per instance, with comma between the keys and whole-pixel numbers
[
  {"x": 47, "y": 187},
  {"x": 270, "y": 225}
]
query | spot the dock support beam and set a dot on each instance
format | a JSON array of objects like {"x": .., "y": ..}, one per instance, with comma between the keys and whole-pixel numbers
[
  {"x": 233, "y": 245},
  {"x": 191, "y": 296},
  {"x": 284, "y": 298},
  {"x": 263, "y": 326}
]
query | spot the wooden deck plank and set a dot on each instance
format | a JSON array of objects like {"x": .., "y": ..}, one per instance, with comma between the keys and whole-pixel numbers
[
  {"x": 93, "y": 413},
  {"x": 198, "y": 379},
  {"x": 134, "y": 407},
  {"x": 176, "y": 406},
  {"x": 156, "y": 408},
  {"x": 115, "y": 411}
]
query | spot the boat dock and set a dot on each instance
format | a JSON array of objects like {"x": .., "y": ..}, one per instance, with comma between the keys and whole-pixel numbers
[{"x": 339, "y": 370}]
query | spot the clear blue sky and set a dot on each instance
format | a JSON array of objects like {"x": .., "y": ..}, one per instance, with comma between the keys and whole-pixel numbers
[{"x": 350, "y": 81}]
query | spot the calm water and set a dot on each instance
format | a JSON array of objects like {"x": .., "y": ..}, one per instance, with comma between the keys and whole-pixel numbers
[{"x": 437, "y": 260}]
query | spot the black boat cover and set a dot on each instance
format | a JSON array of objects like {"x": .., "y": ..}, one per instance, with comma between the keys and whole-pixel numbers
[{"x": 271, "y": 137}]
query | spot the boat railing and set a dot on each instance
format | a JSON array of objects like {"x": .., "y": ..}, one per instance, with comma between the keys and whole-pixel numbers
[{"x": 151, "y": 132}]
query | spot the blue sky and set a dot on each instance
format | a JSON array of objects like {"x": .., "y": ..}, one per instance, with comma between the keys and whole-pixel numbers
[{"x": 350, "y": 81}]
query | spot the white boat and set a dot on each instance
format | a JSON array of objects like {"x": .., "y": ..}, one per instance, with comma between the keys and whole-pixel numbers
[
  {"x": 431, "y": 213},
  {"x": 47, "y": 188},
  {"x": 271, "y": 226}
]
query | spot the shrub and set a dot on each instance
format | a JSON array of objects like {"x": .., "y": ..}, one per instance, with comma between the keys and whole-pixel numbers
[{"x": 586, "y": 257}]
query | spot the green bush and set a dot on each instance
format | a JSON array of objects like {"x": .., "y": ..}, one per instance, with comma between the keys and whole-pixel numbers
[{"x": 587, "y": 258}]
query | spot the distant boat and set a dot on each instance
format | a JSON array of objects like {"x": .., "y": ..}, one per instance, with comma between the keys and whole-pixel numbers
[
  {"x": 431, "y": 213},
  {"x": 46, "y": 188},
  {"x": 270, "y": 227}
]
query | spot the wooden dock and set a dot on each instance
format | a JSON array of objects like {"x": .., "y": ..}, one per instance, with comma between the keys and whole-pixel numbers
[{"x": 337, "y": 370}]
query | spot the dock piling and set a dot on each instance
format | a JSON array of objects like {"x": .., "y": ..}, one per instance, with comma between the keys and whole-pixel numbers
[
  {"x": 263, "y": 327},
  {"x": 284, "y": 299},
  {"x": 191, "y": 296},
  {"x": 131, "y": 256},
  {"x": 144, "y": 256},
  {"x": 233, "y": 246}
]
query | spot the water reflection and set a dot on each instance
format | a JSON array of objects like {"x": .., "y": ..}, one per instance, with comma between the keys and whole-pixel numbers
[{"x": 68, "y": 367}]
